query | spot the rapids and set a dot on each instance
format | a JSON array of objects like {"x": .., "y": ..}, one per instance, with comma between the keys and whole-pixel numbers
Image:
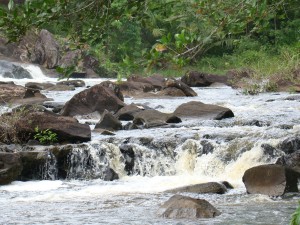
[{"x": 187, "y": 153}]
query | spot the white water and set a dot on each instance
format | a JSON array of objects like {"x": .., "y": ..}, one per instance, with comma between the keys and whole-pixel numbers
[{"x": 135, "y": 199}]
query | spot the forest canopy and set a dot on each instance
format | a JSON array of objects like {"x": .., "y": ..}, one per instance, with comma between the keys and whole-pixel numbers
[{"x": 157, "y": 33}]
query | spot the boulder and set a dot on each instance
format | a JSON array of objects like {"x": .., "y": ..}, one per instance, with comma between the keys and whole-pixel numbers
[
  {"x": 199, "y": 79},
  {"x": 34, "y": 163},
  {"x": 237, "y": 77},
  {"x": 17, "y": 72},
  {"x": 74, "y": 83},
  {"x": 210, "y": 187},
  {"x": 19, "y": 127},
  {"x": 127, "y": 112},
  {"x": 62, "y": 155},
  {"x": 38, "y": 86},
  {"x": 178, "y": 207},
  {"x": 110, "y": 175},
  {"x": 108, "y": 122},
  {"x": 272, "y": 180},
  {"x": 114, "y": 87},
  {"x": 172, "y": 92},
  {"x": 291, "y": 161},
  {"x": 157, "y": 81},
  {"x": 55, "y": 107},
  {"x": 9, "y": 92},
  {"x": 203, "y": 111},
  {"x": 10, "y": 167},
  {"x": 61, "y": 87},
  {"x": 70, "y": 58},
  {"x": 189, "y": 92},
  {"x": 16, "y": 94},
  {"x": 47, "y": 50},
  {"x": 153, "y": 118},
  {"x": 103, "y": 131},
  {"x": 95, "y": 99},
  {"x": 128, "y": 153},
  {"x": 133, "y": 88},
  {"x": 289, "y": 145}
]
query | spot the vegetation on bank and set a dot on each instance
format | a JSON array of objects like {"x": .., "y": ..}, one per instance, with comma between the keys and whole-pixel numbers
[{"x": 169, "y": 36}]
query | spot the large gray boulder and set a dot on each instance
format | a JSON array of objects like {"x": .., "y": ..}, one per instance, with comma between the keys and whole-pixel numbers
[
  {"x": 95, "y": 99},
  {"x": 178, "y": 207},
  {"x": 10, "y": 167},
  {"x": 200, "y": 110},
  {"x": 210, "y": 187},
  {"x": 272, "y": 180}
]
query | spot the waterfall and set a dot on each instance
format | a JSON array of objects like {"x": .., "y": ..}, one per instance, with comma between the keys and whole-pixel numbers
[
  {"x": 15, "y": 70},
  {"x": 35, "y": 71},
  {"x": 200, "y": 159}
]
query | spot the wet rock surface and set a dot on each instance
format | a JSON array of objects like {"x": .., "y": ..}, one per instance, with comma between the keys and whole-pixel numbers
[
  {"x": 198, "y": 79},
  {"x": 108, "y": 122},
  {"x": 95, "y": 99},
  {"x": 210, "y": 187},
  {"x": 67, "y": 129},
  {"x": 272, "y": 180},
  {"x": 10, "y": 167},
  {"x": 202, "y": 111},
  {"x": 178, "y": 207}
]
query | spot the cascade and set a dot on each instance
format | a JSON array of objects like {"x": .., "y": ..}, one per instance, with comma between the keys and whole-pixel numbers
[
  {"x": 200, "y": 158},
  {"x": 14, "y": 70}
]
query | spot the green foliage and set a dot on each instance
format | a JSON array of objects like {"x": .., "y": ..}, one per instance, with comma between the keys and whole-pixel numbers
[
  {"x": 158, "y": 33},
  {"x": 45, "y": 136},
  {"x": 295, "y": 220},
  {"x": 65, "y": 72}
]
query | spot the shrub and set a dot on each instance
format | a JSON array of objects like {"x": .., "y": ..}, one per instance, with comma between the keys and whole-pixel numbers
[{"x": 45, "y": 136}]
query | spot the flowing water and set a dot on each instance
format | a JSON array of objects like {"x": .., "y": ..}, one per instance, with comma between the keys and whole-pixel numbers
[{"x": 164, "y": 158}]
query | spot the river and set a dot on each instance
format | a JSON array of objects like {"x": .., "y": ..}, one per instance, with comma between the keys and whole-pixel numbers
[{"x": 173, "y": 157}]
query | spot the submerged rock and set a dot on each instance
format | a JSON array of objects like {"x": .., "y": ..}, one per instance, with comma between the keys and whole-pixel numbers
[
  {"x": 210, "y": 187},
  {"x": 272, "y": 180},
  {"x": 178, "y": 207},
  {"x": 10, "y": 167},
  {"x": 202, "y": 111}
]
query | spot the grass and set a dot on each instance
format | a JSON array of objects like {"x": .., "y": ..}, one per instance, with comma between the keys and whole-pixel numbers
[{"x": 269, "y": 66}]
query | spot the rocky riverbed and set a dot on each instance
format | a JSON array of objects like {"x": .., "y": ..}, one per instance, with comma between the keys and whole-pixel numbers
[{"x": 123, "y": 175}]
